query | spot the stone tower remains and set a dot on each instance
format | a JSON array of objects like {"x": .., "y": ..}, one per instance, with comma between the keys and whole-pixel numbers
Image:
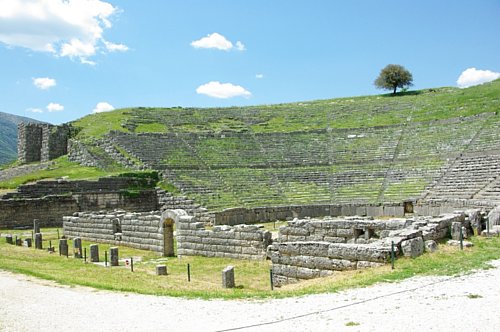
[{"x": 42, "y": 142}]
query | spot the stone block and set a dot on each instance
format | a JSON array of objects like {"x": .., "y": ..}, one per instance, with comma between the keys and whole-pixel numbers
[
  {"x": 430, "y": 245},
  {"x": 77, "y": 247},
  {"x": 413, "y": 247},
  {"x": 228, "y": 277},
  {"x": 94, "y": 253},
  {"x": 63, "y": 247},
  {"x": 27, "y": 242},
  {"x": 161, "y": 270},
  {"x": 38, "y": 241}
]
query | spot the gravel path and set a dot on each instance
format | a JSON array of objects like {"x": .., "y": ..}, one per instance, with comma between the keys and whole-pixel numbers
[{"x": 464, "y": 303}]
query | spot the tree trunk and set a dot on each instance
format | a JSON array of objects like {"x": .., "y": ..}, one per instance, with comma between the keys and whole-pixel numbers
[{"x": 394, "y": 92}]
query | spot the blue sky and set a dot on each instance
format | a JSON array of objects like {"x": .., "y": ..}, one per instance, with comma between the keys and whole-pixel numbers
[{"x": 63, "y": 60}]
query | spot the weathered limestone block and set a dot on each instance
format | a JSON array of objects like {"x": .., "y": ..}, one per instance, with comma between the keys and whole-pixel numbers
[
  {"x": 161, "y": 270},
  {"x": 36, "y": 226},
  {"x": 413, "y": 247},
  {"x": 228, "y": 277},
  {"x": 366, "y": 264},
  {"x": 77, "y": 247},
  {"x": 113, "y": 254},
  {"x": 94, "y": 253},
  {"x": 27, "y": 242},
  {"x": 38, "y": 241},
  {"x": 456, "y": 243},
  {"x": 456, "y": 230},
  {"x": 430, "y": 245},
  {"x": 63, "y": 247}
]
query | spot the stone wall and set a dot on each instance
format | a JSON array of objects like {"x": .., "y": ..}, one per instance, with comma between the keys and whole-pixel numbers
[
  {"x": 69, "y": 187},
  {"x": 79, "y": 153},
  {"x": 239, "y": 242},
  {"x": 29, "y": 142},
  {"x": 42, "y": 142},
  {"x": 137, "y": 230},
  {"x": 50, "y": 200},
  {"x": 313, "y": 248},
  {"x": 49, "y": 210},
  {"x": 264, "y": 214}
]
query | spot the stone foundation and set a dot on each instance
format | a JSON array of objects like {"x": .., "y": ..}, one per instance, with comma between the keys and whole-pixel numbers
[{"x": 314, "y": 248}]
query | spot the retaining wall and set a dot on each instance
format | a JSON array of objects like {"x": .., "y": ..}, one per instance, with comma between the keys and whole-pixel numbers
[
  {"x": 137, "y": 230},
  {"x": 240, "y": 242},
  {"x": 264, "y": 214},
  {"x": 50, "y": 209}
]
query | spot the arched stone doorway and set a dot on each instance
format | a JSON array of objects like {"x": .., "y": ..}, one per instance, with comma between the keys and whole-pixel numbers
[
  {"x": 169, "y": 219},
  {"x": 168, "y": 237}
]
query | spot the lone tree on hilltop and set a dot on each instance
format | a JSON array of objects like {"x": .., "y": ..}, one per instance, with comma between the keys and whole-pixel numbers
[{"x": 393, "y": 77}]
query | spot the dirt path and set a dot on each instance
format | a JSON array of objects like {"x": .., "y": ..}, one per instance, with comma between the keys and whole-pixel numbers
[{"x": 465, "y": 303}]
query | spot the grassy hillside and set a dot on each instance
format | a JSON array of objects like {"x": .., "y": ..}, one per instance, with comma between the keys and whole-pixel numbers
[
  {"x": 366, "y": 149},
  {"x": 357, "y": 112},
  {"x": 8, "y": 136}
]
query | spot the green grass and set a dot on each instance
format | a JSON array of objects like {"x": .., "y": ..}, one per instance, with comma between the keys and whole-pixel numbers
[
  {"x": 61, "y": 167},
  {"x": 252, "y": 277}
]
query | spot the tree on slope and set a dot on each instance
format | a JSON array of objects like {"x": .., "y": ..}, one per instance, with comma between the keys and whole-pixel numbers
[{"x": 393, "y": 77}]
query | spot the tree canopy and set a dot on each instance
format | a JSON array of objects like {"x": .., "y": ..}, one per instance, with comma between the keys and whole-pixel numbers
[{"x": 393, "y": 77}]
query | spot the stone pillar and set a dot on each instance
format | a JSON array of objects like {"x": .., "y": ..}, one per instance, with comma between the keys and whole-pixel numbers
[
  {"x": 36, "y": 226},
  {"x": 19, "y": 241},
  {"x": 27, "y": 242},
  {"x": 228, "y": 277},
  {"x": 94, "y": 253},
  {"x": 113, "y": 255},
  {"x": 455, "y": 230},
  {"x": 77, "y": 247},
  {"x": 63, "y": 247},
  {"x": 38, "y": 241},
  {"x": 8, "y": 239},
  {"x": 161, "y": 270}
]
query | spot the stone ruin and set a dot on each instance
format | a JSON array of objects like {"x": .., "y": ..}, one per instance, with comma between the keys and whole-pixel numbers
[
  {"x": 311, "y": 248},
  {"x": 42, "y": 142},
  {"x": 303, "y": 249}
]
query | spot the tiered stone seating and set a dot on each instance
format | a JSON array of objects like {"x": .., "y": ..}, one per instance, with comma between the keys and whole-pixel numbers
[
  {"x": 243, "y": 167},
  {"x": 467, "y": 176}
]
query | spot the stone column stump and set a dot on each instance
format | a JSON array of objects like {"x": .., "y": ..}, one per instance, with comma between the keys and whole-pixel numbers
[
  {"x": 19, "y": 241},
  {"x": 63, "y": 247},
  {"x": 228, "y": 277},
  {"x": 94, "y": 253},
  {"x": 38, "y": 241},
  {"x": 113, "y": 253},
  {"x": 36, "y": 226},
  {"x": 8, "y": 239},
  {"x": 77, "y": 247},
  {"x": 161, "y": 270},
  {"x": 27, "y": 242}
]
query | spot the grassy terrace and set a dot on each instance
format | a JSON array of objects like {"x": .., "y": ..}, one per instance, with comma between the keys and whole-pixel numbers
[
  {"x": 365, "y": 149},
  {"x": 357, "y": 112},
  {"x": 252, "y": 277}
]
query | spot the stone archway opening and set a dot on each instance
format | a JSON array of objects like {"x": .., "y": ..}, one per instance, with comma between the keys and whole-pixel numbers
[{"x": 168, "y": 237}]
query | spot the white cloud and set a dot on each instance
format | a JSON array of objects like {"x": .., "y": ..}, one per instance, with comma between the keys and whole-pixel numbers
[
  {"x": 259, "y": 76},
  {"x": 103, "y": 107},
  {"x": 473, "y": 76},
  {"x": 112, "y": 47},
  {"x": 65, "y": 28},
  {"x": 216, "y": 89},
  {"x": 55, "y": 107},
  {"x": 240, "y": 46},
  {"x": 218, "y": 41},
  {"x": 35, "y": 110},
  {"x": 44, "y": 83}
]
